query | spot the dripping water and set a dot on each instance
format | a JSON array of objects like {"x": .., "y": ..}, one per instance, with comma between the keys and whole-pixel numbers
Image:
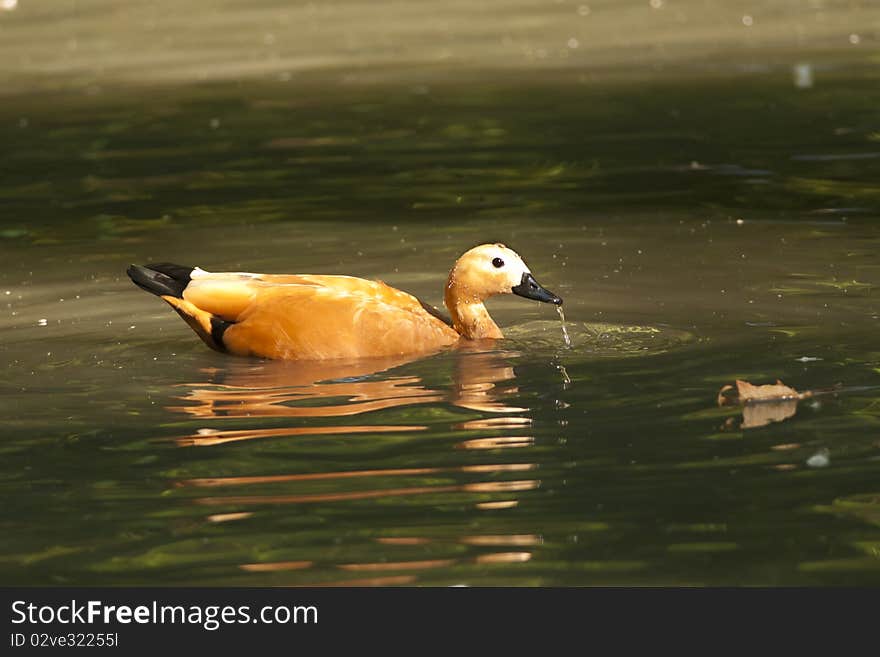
[
  {"x": 565, "y": 335},
  {"x": 566, "y": 380}
]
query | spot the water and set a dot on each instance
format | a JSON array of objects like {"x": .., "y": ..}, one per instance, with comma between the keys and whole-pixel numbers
[
  {"x": 705, "y": 218},
  {"x": 565, "y": 337}
]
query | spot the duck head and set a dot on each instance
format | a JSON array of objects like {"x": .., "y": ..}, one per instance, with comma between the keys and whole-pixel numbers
[{"x": 480, "y": 273}]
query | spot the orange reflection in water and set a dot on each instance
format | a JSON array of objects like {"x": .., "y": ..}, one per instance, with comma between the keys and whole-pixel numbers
[
  {"x": 278, "y": 565},
  {"x": 308, "y": 393},
  {"x": 504, "y": 557},
  {"x": 385, "y": 566},
  {"x": 334, "y": 389},
  {"x": 228, "y": 401},
  {"x": 479, "y": 487},
  {"x": 204, "y": 482},
  {"x": 510, "y": 539},
  {"x": 394, "y": 580},
  {"x": 427, "y": 564},
  {"x": 227, "y": 517},
  {"x": 402, "y": 540},
  {"x": 478, "y": 380},
  {"x": 208, "y": 437},
  {"x": 492, "y": 540},
  {"x": 497, "y": 442},
  {"x": 500, "y": 504},
  {"x": 514, "y": 422},
  {"x": 398, "y": 565},
  {"x": 278, "y": 389}
]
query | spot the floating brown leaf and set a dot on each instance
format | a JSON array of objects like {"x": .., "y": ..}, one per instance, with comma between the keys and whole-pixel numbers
[
  {"x": 763, "y": 404},
  {"x": 748, "y": 393}
]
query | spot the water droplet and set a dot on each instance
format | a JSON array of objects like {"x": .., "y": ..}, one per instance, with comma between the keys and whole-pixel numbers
[
  {"x": 8, "y": 5},
  {"x": 573, "y": 43},
  {"x": 748, "y": 21},
  {"x": 42, "y": 322}
]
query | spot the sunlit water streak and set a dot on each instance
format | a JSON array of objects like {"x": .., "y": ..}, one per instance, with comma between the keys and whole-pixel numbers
[{"x": 565, "y": 336}]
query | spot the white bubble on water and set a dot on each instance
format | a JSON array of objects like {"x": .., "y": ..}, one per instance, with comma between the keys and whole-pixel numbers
[
  {"x": 748, "y": 21},
  {"x": 803, "y": 76},
  {"x": 820, "y": 459},
  {"x": 8, "y": 5}
]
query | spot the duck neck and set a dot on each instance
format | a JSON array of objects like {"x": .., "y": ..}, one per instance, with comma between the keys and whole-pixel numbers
[{"x": 470, "y": 317}]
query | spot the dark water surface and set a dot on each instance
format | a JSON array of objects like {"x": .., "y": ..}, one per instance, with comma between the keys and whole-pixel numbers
[{"x": 701, "y": 227}]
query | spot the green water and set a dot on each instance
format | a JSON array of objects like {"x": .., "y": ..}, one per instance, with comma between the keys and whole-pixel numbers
[{"x": 704, "y": 221}]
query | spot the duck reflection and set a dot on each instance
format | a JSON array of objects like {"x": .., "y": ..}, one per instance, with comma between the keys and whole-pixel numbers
[
  {"x": 482, "y": 380},
  {"x": 276, "y": 389}
]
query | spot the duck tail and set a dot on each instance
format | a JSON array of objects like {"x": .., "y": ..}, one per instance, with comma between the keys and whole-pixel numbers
[
  {"x": 168, "y": 281},
  {"x": 163, "y": 279}
]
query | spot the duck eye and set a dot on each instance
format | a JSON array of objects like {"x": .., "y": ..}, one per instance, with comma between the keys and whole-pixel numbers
[{"x": 498, "y": 263}]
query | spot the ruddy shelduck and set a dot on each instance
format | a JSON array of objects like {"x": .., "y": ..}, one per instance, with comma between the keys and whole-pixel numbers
[{"x": 308, "y": 317}]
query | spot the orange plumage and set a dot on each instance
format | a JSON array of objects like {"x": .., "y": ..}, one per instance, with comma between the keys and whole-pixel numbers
[{"x": 309, "y": 317}]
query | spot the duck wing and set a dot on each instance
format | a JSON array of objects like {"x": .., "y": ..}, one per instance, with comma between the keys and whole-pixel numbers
[
  {"x": 297, "y": 316},
  {"x": 299, "y": 321},
  {"x": 228, "y": 294},
  {"x": 304, "y": 316}
]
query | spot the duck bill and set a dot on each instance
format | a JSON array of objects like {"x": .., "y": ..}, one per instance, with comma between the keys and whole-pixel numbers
[{"x": 531, "y": 289}]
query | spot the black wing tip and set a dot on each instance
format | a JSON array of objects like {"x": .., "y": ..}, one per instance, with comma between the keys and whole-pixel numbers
[
  {"x": 161, "y": 279},
  {"x": 180, "y": 273}
]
